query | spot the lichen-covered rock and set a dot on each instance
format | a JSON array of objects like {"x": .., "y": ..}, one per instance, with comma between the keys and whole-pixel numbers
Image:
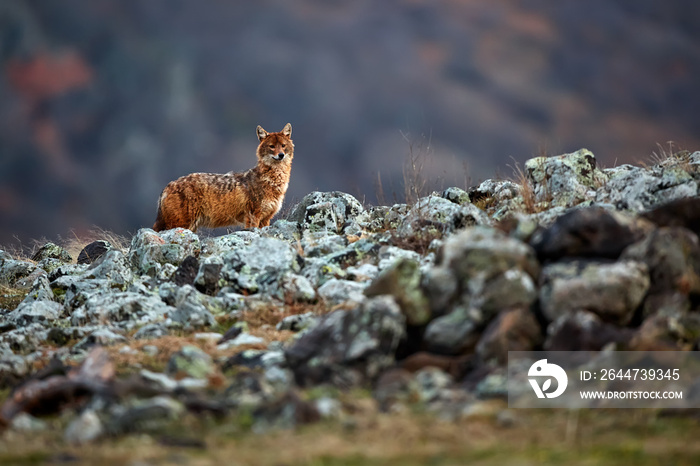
[
  {"x": 18, "y": 274},
  {"x": 456, "y": 332},
  {"x": 500, "y": 190},
  {"x": 684, "y": 213},
  {"x": 512, "y": 288},
  {"x": 611, "y": 290},
  {"x": 50, "y": 256},
  {"x": 456, "y": 195},
  {"x": 336, "y": 291},
  {"x": 487, "y": 252},
  {"x": 349, "y": 347},
  {"x": 124, "y": 309},
  {"x": 566, "y": 179},
  {"x": 25, "y": 339},
  {"x": 588, "y": 232},
  {"x": 113, "y": 267},
  {"x": 144, "y": 415},
  {"x": 402, "y": 281},
  {"x": 638, "y": 189},
  {"x": 435, "y": 216},
  {"x": 583, "y": 331},
  {"x": 512, "y": 330},
  {"x": 254, "y": 266},
  {"x": 190, "y": 361},
  {"x": 192, "y": 309},
  {"x": 42, "y": 312},
  {"x": 40, "y": 290},
  {"x": 298, "y": 322},
  {"x": 13, "y": 368},
  {"x": 149, "y": 250},
  {"x": 680, "y": 332},
  {"x": 673, "y": 258},
  {"x": 86, "y": 427},
  {"x": 100, "y": 337},
  {"x": 332, "y": 211},
  {"x": 322, "y": 243}
]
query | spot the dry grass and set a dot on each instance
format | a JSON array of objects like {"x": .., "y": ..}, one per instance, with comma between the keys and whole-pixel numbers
[
  {"x": 670, "y": 155},
  {"x": 527, "y": 191},
  {"x": 76, "y": 243},
  {"x": 405, "y": 439}
]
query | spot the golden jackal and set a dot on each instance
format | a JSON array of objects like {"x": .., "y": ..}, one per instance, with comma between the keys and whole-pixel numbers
[{"x": 250, "y": 198}]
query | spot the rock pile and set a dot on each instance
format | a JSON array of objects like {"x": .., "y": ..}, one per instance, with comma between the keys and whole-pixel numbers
[{"x": 419, "y": 303}]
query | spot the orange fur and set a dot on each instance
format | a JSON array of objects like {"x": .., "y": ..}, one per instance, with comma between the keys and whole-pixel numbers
[{"x": 248, "y": 199}]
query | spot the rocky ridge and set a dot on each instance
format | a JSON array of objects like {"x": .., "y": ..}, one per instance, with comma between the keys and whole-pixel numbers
[{"x": 418, "y": 303}]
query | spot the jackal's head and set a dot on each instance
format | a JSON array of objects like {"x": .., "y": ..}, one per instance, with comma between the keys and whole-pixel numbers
[{"x": 276, "y": 147}]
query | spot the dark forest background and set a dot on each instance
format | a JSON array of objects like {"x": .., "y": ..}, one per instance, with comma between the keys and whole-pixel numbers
[{"x": 102, "y": 102}]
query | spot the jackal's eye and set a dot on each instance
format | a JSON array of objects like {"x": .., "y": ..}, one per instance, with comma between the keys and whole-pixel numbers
[
  {"x": 272, "y": 146},
  {"x": 284, "y": 146}
]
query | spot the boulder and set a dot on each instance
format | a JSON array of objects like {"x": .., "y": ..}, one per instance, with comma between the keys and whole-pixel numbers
[
  {"x": 612, "y": 290},
  {"x": 346, "y": 348}
]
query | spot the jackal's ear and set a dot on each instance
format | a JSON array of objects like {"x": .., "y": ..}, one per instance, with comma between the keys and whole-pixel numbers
[
  {"x": 287, "y": 130},
  {"x": 262, "y": 134}
]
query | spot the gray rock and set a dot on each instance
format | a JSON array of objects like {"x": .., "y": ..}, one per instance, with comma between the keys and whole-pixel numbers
[
  {"x": 192, "y": 309},
  {"x": 292, "y": 288},
  {"x": 151, "y": 331},
  {"x": 41, "y": 312},
  {"x": 125, "y": 309},
  {"x": 639, "y": 189},
  {"x": 24, "y": 422},
  {"x": 113, "y": 267},
  {"x": 512, "y": 288},
  {"x": 434, "y": 216},
  {"x": 589, "y": 232},
  {"x": 402, "y": 281},
  {"x": 500, "y": 190},
  {"x": 241, "y": 340},
  {"x": 93, "y": 251},
  {"x": 208, "y": 279},
  {"x": 85, "y": 428},
  {"x": 18, "y": 274},
  {"x": 40, "y": 290},
  {"x": 331, "y": 211},
  {"x": 190, "y": 361},
  {"x": 566, "y": 179},
  {"x": 263, "y": 260},
  {"x": 456, "y": 332},
  {"x": 24, "y": 340},
  {"x": 673, "y": 258},
  {"x": 100, "y": 337},
  {"x": 284, "y": 230},
  {"x": 52, "y": 251},
  {"x": 611, "y": 290},
  {"x": 348, "y": 347},
  {"x": 389, "y": 255},
  {"x": 298, "y": 322},
  {"x": 486, "y": 252},
  {"x": 149, "y": 250},
  {"x": 13, "y": 367},
  {"x": 512, "y": 330},
  {"x": 321, "y": 243},
  {"x": 147, "y": 415},
  {"x": 456, "y": 195},
  {"x": 336, "y": 291},
  {"x": 583, "y": 331}
]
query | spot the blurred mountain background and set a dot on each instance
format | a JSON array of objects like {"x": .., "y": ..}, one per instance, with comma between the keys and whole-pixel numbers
[{"x": 102, "y": 102}]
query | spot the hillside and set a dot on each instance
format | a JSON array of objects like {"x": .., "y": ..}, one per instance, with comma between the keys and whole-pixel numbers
[{"x": 347, "y": 334}]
